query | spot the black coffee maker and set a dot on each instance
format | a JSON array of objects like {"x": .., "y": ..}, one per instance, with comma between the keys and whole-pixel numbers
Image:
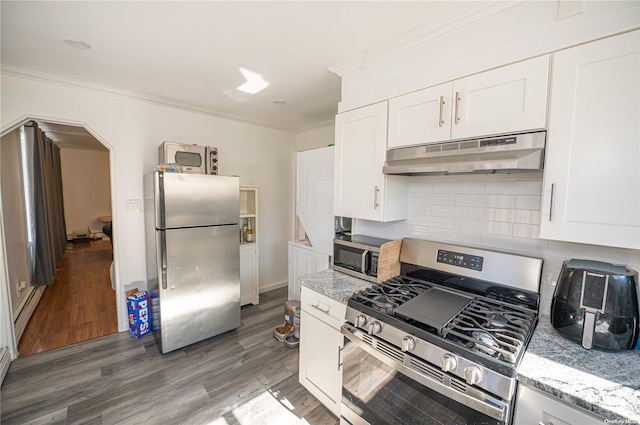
[{"x": 596, "y": 305}]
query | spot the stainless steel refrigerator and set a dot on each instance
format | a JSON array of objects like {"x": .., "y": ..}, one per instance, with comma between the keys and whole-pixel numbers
[{"x": 193, "y": 256}]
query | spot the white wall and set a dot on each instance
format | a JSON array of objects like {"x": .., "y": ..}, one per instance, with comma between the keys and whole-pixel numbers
[
  {"x": 319, "y": 137},
  {"x": 132, "y": 129},
  {"x": 499, "y": 211},
  {"x": 86, "y": 185},
  {"x": 13, "y": 214}
]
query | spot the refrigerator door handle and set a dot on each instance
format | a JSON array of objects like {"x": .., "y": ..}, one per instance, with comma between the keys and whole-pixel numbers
[
  {"x": 159, "y": 199},
  {"x": 163, "y": 258}
]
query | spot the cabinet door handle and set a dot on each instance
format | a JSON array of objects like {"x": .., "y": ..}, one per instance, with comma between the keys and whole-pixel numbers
[
  {"x": 553, "y": 193},
  {"x": 339, "y": 358},
  {"x": 376, "y": 191},
  {"x": 324, "y": 310},
  {"x": 440, "y": 120},
  {"x": 457, "y": 107}
]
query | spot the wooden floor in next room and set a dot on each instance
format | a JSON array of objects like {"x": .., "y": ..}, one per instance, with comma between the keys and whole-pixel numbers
[
  {"x": 80, "y": 305},
  {"x": 243, "y": 377}
]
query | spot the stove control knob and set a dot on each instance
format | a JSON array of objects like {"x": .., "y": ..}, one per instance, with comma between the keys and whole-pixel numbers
[
  {"x": 375, "y": 328},
  {"x": 360, "y": 321},
  {"x": 408, "y": 343},
  {"x": 448, "y": 362},
  {"x": 472, "y": 374}
]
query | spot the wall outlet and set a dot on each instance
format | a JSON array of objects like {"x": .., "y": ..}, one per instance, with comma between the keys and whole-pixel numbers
[{"x": 20, "y": 286}]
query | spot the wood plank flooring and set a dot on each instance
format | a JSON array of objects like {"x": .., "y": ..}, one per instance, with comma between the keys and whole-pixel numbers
[
  {"x": 241, "y": 377},
  {"x": 79, "y": 306}
]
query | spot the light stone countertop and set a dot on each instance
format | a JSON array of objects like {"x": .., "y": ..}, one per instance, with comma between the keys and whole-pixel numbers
[
  {"x": 336, "y": 285},
  {"x": 606, "y": 383}
]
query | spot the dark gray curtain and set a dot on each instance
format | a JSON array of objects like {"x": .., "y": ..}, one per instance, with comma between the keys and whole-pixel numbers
[{"x": 50, "y": 235}]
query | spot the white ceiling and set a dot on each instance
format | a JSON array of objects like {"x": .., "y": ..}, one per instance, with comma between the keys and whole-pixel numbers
[{"x": 189, "y": 53}]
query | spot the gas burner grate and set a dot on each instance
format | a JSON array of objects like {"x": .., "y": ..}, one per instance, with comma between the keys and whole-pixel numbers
[
  {"x": 390, "y": 294},
  {"x": 494, "y": 329}
]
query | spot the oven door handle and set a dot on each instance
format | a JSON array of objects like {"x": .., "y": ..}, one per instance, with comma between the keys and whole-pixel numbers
[{"x": 489, "y": 405}]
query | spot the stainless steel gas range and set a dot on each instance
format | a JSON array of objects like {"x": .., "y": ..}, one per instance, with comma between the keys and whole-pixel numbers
[{"x": 440, "y": 343}]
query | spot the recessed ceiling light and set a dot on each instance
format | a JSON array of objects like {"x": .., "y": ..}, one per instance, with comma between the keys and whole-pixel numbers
[
  {"x": 254, "y": 84},
  {"x": 76, "y": 43},
  {"x": 278, "y": 102}
]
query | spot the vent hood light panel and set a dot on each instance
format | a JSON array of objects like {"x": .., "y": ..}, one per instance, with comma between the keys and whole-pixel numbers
[{"x": 506, "y": 153}]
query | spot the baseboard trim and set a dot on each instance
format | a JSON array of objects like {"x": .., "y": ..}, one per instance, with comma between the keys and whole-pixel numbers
[
  {"x": 27, "y": 310},
  {"x": 272, "y": 286}
]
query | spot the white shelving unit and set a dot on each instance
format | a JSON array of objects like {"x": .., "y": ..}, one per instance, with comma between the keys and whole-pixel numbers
[{"x": 249, "y": 276}]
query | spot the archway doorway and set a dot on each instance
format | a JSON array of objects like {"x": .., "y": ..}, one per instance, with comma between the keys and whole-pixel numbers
[{"x": 81, "y": 302}]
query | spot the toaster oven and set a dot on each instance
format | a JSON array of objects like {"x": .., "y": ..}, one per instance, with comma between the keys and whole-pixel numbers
[{"x": 192, "y": 158}]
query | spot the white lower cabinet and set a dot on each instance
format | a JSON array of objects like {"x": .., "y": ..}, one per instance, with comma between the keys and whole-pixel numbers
[
  {"x": 535, "y": 407},
  {"x": 320, "y": 347},
  {"x": 304, "y": 260},
  {"x": 248, "y": 274}
]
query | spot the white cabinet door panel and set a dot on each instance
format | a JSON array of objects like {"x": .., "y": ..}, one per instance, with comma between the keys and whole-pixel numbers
[
  {"x": 303, "y": 261},
  {"x": 592, "y": 178},
  {"x": 248, "y": 274},
  {"x": 420, "y": 117},
  {"x": 360, "y": 188},
  {"x": 509, "y": 99}
]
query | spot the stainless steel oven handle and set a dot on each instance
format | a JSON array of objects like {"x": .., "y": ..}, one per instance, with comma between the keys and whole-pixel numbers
[{"x": 489, "y": 406}]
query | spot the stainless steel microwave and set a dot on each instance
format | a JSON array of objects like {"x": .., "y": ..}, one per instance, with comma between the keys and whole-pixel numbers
[
  {"x": 192, "y": 158},
  {"x": 357, "y": 255}
]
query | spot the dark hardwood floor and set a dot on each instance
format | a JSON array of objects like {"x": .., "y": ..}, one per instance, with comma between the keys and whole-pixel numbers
[
  {"x": 80, "y": 305},
  {"x": 241, "y": 377}
]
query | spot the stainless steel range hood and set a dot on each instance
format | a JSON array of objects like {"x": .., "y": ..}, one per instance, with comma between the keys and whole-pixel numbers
[{"x": 505, "y": 153}]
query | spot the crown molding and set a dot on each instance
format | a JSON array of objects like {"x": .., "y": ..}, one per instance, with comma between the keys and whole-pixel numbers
[
  {"x": 617, "y": 23},
  {"x": 58, "y": 80},
  {"x": 423, "y": 34}
]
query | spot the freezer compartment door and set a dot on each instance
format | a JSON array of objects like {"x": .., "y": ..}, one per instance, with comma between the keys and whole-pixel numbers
[
  {"x": 199, "y": 291},
  {"x": 188, "y": 200}
]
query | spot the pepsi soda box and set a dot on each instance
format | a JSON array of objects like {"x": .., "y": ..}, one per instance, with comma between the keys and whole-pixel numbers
[{"x": 139, "y": 320}]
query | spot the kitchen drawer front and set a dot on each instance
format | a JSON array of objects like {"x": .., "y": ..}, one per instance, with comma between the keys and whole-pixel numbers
[{"x": 323, "y": 307}]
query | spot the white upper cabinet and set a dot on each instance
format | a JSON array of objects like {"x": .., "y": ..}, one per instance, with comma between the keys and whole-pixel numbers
[
  {"x": 508, "y": 99},
  {"x": 360, "y": 189},
  {"x": 592, "y": 177},
  {"x": 420, "y": 117}
]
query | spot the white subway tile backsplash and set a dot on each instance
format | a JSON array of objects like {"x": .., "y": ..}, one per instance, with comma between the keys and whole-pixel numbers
[
  {"x": 457, "y": 212},
  {"x": 497, "y": 214},
  {"x": 495, "y": 201},
  {"x": 480, "y": 226},
  {"x": 527, "y": 217},
  {"x": 432, "y": 221},
  {"x": 447, "y": 187},
  {"x": 523, "y": 246},
  {"x": 526, "y": 230},
  {"x": 440, "y": 199},
  {"x": 495, "y": 211},
  {"x": 514, "y": 188},
  {"x": 528, "y": 202},
  {"x": 456, "y": 237}
]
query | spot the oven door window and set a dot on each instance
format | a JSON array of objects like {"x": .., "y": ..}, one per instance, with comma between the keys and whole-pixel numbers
[{"x": 377, "y": 394}]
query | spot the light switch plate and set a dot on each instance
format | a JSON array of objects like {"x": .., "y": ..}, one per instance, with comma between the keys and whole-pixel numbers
[{"x": 133, "y": 205}]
